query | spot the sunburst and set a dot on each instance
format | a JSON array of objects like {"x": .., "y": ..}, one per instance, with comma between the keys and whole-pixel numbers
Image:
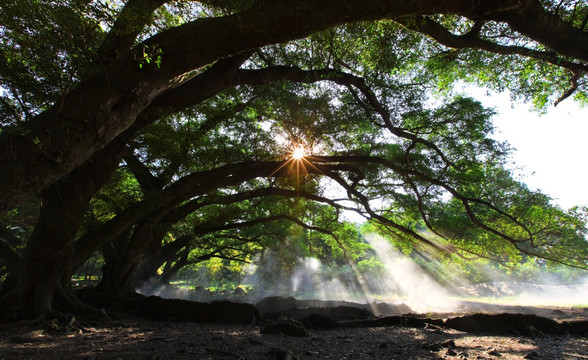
[
  {"x": 298, "y": 153},
  {"x": 297, "y": 161}
]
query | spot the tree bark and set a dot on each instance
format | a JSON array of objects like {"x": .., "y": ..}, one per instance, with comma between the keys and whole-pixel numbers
[
  {"x": 170, "y": 271},
  {"x": 49, "y": 251},
  {"x": 46, "y": 267},
  {"x": 120, "y": 273},
  {"x": 162, "y": 254}
]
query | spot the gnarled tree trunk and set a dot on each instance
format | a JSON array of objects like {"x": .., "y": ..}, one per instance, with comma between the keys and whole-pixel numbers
[
  {"x": 46, "y": 267},
  {"x": 123, "y": 259},
  {"x": 49, "y": 252}
]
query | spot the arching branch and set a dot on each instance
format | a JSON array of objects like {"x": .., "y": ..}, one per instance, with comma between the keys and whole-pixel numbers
[
  {"x": 471, "y": 40},
  {"x": 131, "y": 20},
  {"x": 573, "y": 87},
  {"x": 211, "y": 229},
  {"x": 465, "y": 200}
]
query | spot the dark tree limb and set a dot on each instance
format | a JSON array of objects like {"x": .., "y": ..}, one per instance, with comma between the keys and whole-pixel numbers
[
  {"x": 466, "y": 201},
  {"x": 573, "y": 87},
  {"x": 471, "y": 40},
  {"x": 131, "y": 21},
  {"x": 237, "y": 225},
  {"x": 148, "y": 182}
]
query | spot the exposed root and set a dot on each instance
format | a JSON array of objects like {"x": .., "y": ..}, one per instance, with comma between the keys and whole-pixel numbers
[
  {"x": 62, "y": 313},
  {"x": 72, "y": 304}
]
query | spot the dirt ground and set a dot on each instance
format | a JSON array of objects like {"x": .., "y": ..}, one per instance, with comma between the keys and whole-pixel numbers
[{"x": 134, "y": 338}]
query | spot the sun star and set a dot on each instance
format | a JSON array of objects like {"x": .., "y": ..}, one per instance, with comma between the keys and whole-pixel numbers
[{"x": 298, "y": 153}]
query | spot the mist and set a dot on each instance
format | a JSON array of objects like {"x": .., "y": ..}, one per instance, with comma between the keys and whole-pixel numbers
[
  {"x": 542, "y": 293},
  {"x": 398, "y": 280}
]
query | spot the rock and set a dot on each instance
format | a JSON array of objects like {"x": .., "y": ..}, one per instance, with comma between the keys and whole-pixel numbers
[
  {"x": 320, "y": 322},
  {"x": 531, "y": 331},
  {"x": 285, "y": 326},
  {"x": 337, "y": 313},
  {"x": 238, "y": 292},
  {"x": 432, "y": 347},
  {"x": 274, "y": 307},
  {"x": 493, "y": 352},
  {"x": 448, "y": 343},
  {"x": 558, "y": 313},
  {"x": 276, "y": 304},
  {"x": 281, "y": 354},
  {"x": 389, "y": 309},
  {"x": 531, "y": 355},
  {"x": 183, "y": 310},
  {"x": 450, "y": 352},
  {"x": 576, "y": 327},
  {"x": 343, "y": 313}
]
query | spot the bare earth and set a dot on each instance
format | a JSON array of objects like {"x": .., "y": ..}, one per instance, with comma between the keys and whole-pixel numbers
[{"x": 133, "y": 338}]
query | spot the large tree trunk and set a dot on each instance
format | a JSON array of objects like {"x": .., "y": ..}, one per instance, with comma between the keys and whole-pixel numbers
[
  {"x": 172, "y": 268},
  {"x": 123, "y": 259},
  {"x": 175, "y": 253},
  {"x": 112, "y": 258},
  {"x": 49, "y": 252},
  {"x": 118, "y": 276},
  {"x": 46, "y": 267}
]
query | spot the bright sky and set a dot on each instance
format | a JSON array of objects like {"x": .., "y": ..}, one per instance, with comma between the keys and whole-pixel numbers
[{"x": 552, "y": 148}]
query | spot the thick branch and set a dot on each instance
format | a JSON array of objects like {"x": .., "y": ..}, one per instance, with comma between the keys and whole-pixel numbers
[
  {"x": 471, "y": 40},
  {"x": 534, "y": 21},
  {"x": 188, "y": 187},
  {"x": 132, "y": 19},
  {"x": 466, "y": 201},
  {"x": 147, "y": 181},
  {"x": 181, "y": 212},
  {"x": 242, "y": 224},
  {"x": 383, "y": 220}
]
